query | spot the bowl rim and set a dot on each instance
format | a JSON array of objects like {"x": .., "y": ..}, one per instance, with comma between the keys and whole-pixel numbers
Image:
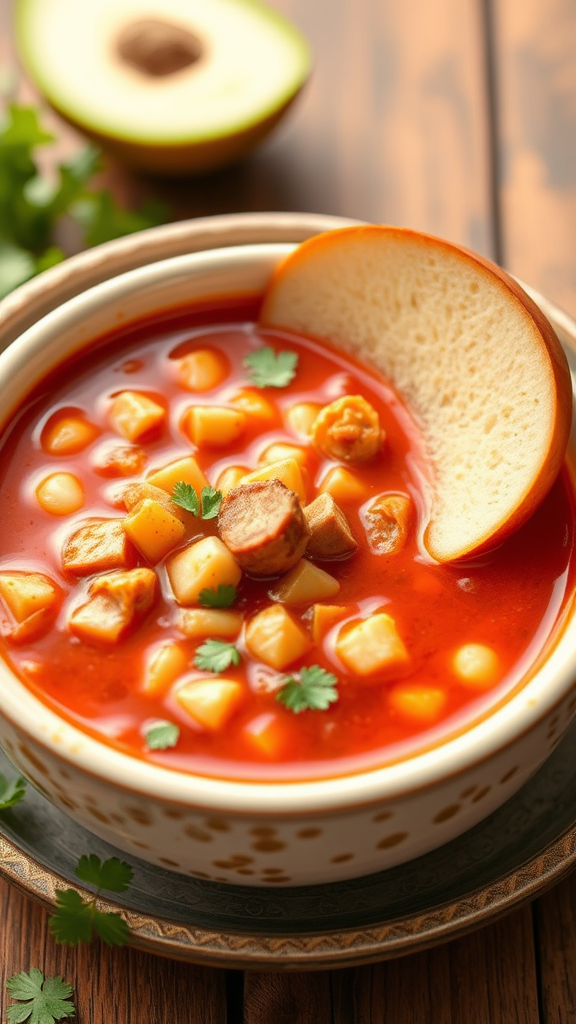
[{"x": 418, "y": 771}]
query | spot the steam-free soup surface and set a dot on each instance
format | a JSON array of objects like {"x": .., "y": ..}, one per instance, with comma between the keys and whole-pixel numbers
[{"x": 359, "y": 652}]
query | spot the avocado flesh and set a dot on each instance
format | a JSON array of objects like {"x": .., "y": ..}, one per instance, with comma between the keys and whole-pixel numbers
[{"x": 251, "y": 63}]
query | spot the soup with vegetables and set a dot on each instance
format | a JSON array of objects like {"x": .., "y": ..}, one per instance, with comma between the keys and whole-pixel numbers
[{"x": 210, "y": 558}]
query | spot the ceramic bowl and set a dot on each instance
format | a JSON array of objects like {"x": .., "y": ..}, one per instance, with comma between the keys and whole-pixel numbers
[{"x": 248, "y": 832}]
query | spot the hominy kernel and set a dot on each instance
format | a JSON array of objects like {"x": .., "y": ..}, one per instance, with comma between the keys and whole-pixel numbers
[
  {"x": 60, "y": 494},
  {"x": 476, "y": 666}
]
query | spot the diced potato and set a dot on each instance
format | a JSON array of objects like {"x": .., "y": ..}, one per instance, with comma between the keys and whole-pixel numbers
[
  {"x": 275, "y": 638},
  {"x": 304, "y": 584},
  {"x": 217, "y": 622},
  {"x": 166, "y": 664},
  {"x": 387, "y": 523},
  {"x": 280, "y": 451},
  {"x": 230, "y": 477},
  {"x": 187, "y": 470},
  {"x": 120, "y": 460},
  {"x": 254, "y": 405},
  {"x": 203, "y": 369},
  {"x": 343, "y": 485},
  {"x": 348, "y": 430},
  {"x": 25, "y": 593},
  {"x": 301, "y": 417},
  {"x": 97, "y": 546},
  {"x": 153, "y": 530},
  {"x": 267, "y": 734},
  {"x": 477, "y": 666},
  {"x": 205, "y": 564},
  {"x": 324, "y": 616},
  {"x": 213, "y": 426},
  {"x": 60, "y": 494},
  {"x": 287, "y": 471},
  {"x": 211, "y": 702},
  {"x": 67, "y": 433},
  {"x": 330, "y": 533},
  {"x": 372, "y": 645},
  {"x": 133, "y": 415},
  {"x": 134, "y": 493},
  {"x": 117, "y": 601},
  {"x": 423, "y": 704}
]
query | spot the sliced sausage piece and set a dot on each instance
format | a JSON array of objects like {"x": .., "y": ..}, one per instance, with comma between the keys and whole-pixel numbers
[
  {"x": 330, "y": 533},
  {"x": 97, "y": 546},
  {"x": 117, "y": 602},
  {"x": 387, "y": 521},
  {"x": 348, "y": 430},
  {"x": 263, "y": 525}
]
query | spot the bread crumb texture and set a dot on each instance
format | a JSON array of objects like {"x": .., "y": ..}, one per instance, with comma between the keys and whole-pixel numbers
[{"x": 459, "y": 346}]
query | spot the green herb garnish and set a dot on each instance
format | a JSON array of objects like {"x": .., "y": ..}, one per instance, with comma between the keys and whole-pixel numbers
[
  {"x": 216, "y": 656},
  {"x": 266, "y": 369},
  {"x": 11, "y": 791},
  {"x": 223, "y": 597},
  {"x": 208, "y": 506},
  {"x": 32, "y": 206},
  {"x": 162, "y": 735},
  {"x": 75, "y": 920},
  {"x": 40, "y": 1000},
  {"x": 315, "y": 690}
]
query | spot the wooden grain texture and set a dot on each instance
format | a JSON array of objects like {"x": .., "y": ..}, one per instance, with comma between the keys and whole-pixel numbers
[
  {"x": 535, "y": 45},
  {"x": 111, "y": 986},
  {"x": 555, "y": 917},
  {"x": 288, "y": 998}
]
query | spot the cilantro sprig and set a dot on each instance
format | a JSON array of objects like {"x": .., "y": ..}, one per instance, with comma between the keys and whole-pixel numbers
[
  {"x": 316, "y": 690},
  {"x": 216, "y": 656},
  {"x": 162, "y": 735},
  {"x": 223, "y": 597},
  {"x": 40, "y": 1000},
  {"x": 76, "y": 920},
  {"x": 205, "y": 507},
  {"x": 31, "y": 206},
  {"x": 266, "y": 369},
  {"x": 11, "y": 791}
]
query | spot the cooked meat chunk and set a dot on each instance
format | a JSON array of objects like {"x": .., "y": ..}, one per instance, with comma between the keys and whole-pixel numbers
[
  {"x": 97, "y": 546},
  {"x": 33, "y": 602},
  {"x": 121, "y": 460},
  {"x": 348, "y": 430},
  {"x": 117, "y": 602},
  {"x": 387, "y": 522},
  {"x": 330, "y": 533},
  {"x": 263, "y": 525}
]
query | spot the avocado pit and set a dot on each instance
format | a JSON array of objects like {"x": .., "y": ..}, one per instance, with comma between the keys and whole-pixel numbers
[{"x": 158, "y": 48}]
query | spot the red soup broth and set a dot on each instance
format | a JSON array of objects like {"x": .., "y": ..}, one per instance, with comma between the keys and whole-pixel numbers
[{"x": 508, "y": 601}]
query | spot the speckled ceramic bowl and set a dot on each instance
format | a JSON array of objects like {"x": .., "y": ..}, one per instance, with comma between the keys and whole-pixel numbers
[{"x": 254, "y": 833}]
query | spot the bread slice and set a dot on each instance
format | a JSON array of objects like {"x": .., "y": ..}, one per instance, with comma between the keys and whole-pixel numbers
[{"x": 475, "y": 360}]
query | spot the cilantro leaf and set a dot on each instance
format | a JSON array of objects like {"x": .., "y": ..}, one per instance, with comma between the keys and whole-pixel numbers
[
  {"x": 11, "y": 791},
  {"x": 185, "y": 496},
  {"x": 162, "y": 735},
  {"x": 71, "y": 923},
  {"x": 113, "y": 874},
  {"x": 111, "y": 928},
  {"x": 315, "y": 691},
  {"x": 211, "y": 501},
  {"x": 43, "y": 1001},
  {"x": 216, "y": 656},
  {"x": 75, "y": 920},
  {"x": 266, "y": 369},
  {"x": 223, "y": 597}
]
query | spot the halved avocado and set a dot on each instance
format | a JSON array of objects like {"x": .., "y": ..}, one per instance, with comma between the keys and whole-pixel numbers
[{"x": 171, "y": 86}]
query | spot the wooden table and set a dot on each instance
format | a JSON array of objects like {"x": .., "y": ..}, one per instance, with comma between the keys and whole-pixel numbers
[{"x": 457, "y": 117}]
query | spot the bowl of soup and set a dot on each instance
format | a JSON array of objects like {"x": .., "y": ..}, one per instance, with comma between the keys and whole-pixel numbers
[{"x": 224, "y": 649}]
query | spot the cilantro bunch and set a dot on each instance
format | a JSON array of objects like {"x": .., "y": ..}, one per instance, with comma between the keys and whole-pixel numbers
[{"x": 32, "y": 206}]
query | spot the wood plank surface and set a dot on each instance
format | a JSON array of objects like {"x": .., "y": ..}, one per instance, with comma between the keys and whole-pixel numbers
[
  {"x": 535, "y": 47},
  {"x": 111, "y": 986},
  {"x": 555, "y": 917}
]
